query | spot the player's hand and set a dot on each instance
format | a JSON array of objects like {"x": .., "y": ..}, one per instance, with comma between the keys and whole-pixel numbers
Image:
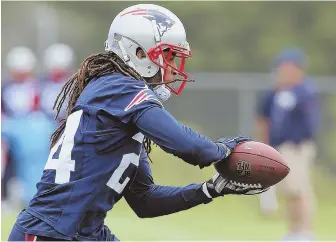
[
  {"x": 220, "y": 186},
  {"x": 231, "y": 142}
]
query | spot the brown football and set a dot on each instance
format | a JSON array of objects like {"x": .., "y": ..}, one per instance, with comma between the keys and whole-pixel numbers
[{"x": 254, "y": 163}]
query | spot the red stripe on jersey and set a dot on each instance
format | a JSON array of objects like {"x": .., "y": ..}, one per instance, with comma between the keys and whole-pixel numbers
[{"x": 139, "y": 98}]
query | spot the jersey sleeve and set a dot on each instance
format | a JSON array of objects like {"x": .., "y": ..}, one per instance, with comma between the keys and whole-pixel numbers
[
  {"x": 177, "y": 139},
  {"x": 151, "y": 200},
  {"x": 123, "y": 97}
]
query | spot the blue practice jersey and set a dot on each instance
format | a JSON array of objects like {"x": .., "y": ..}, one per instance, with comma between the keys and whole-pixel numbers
[
  {"x": 96, "y": 161},
  {"x": 292, "y": 113}
]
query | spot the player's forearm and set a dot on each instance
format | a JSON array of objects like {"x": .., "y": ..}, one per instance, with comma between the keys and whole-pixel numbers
[
  {"x": 164, "y": 200},
  {"x": 179, "y": 140}
]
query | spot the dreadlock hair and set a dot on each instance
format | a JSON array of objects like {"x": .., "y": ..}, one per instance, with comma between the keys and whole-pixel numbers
[{"x": 96, "y": 65}]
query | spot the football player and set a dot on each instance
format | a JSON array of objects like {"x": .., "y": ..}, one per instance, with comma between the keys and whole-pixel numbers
[
  {"x": 23, "y": 127},
  {"x": 58, "y": 60},
  {"x": 100, "y": 152},
  {"x": 19, "y": 93}
]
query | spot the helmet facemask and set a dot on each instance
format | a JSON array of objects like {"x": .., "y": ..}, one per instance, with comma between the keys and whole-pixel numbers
[{"x": 158, "y": 56}]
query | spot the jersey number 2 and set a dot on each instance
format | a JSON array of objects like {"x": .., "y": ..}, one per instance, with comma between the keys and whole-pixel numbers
[{"x": 63, "y": 165}]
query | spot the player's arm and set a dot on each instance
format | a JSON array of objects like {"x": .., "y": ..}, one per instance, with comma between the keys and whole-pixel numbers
[
  {"x": 262, "y": 122},
  {"x": 148, "y": 199},
  {"x": 163, "y": 129}
]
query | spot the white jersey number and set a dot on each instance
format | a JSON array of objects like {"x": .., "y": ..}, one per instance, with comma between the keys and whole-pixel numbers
[{"x": 63, "y": 165}]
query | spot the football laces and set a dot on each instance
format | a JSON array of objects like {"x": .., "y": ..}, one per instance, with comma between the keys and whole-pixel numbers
[{"x": 246, "y": 185}]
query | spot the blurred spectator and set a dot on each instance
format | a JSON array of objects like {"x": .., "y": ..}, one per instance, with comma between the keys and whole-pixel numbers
[
  {"x": 288, "y": 119},
  {"x": 59, "y": 62},
  {"x": 25, "y": 130}
]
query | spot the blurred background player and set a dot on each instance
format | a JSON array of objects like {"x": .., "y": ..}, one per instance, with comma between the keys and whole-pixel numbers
[
  {"x": 58, "y": 61},
  {"x": 19, "y": 91},
  {"x": 18, "y": 98},
  {"x": 25, "y": 130},
  {"x": 288, "y": 120}
]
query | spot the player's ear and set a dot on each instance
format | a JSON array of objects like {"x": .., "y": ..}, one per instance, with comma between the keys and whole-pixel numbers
[{"x": 140, "y": 53}]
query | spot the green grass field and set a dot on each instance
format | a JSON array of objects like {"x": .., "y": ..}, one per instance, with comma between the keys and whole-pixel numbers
[{"x": 228, "y": 218}]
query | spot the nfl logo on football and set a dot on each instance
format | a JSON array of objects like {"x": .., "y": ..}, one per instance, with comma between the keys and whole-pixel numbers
[{"x": 243, "y": 168}]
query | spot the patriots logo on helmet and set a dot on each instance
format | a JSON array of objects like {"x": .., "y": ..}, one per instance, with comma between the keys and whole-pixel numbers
[
  {"x": 163, "y": 22},
  {"x": 142, "y": 96}
]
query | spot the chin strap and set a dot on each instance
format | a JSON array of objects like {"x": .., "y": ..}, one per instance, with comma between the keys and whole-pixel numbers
[{"x": 162, "y": 93}]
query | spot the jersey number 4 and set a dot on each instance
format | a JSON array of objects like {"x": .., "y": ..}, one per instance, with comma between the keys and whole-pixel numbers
[{"x": 64, "y": 164}]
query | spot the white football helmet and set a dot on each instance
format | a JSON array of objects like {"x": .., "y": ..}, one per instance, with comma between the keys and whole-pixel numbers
[
  {"x": 21, "y": 59},
  {"x": 153, "y": 29},
  {"x": 58, "y": 57}
]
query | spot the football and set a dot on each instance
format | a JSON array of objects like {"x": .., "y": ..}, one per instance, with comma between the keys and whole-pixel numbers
[{"x": 254, "y": 163}]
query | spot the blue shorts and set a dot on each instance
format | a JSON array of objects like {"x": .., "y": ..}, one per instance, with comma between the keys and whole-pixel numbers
[
  {"x": 17, "y": 235},
  {"x": 30, "y": 228}
]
